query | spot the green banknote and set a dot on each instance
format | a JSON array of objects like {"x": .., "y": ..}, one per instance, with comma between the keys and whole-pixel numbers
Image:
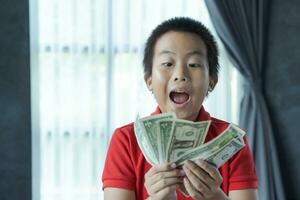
[
  {"x": 144, "y": 143},
  {"x": 222, "y": 156},
  {"x": 185, "y": 136},
  {"x": 149, "y": 129},
  {"x": 165, "y": 129},
  {"x": 213, "y": 146}
]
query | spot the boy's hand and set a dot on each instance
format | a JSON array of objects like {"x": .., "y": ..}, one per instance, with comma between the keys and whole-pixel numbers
[
  {"x": 203, "y": 181},
  {"x": 162, "y": 180}
]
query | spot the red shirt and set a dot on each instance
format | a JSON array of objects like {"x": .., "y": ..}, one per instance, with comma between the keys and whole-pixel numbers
[{"x": 125, "y": 165}]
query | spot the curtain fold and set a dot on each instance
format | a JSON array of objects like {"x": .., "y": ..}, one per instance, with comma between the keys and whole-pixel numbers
[{"x": 242, "y": 27}]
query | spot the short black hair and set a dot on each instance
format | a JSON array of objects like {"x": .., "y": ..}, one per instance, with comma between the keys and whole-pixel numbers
[{"x": 183, "y": 24}]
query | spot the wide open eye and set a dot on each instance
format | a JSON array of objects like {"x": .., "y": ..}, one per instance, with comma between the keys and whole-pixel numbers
[{"x": 167, "y": 64}]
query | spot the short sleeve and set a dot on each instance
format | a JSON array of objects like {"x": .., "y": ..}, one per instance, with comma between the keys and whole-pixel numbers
[
  {"x": 242, "y": 170},
  {"x": 118, "y": 169}
]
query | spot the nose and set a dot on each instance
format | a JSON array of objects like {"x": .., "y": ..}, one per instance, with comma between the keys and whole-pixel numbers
[
  {"x": 180, "y": 79},
  {"x": 180, "y": 74}
]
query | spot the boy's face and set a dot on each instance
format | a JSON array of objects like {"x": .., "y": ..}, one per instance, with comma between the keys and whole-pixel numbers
[{"x": 180, "y": 74}]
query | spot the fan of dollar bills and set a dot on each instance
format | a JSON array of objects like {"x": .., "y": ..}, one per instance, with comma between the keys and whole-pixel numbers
[{"x": 163, "y": 138}]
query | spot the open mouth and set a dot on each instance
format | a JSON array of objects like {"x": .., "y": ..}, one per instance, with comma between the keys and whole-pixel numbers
[{"x": 179, "y": 97}]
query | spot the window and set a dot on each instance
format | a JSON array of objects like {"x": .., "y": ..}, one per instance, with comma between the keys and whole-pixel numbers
[{"x": 89, "y": 80}]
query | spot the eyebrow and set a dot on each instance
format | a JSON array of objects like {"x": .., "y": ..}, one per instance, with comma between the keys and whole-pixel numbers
[
  {"x": 194, "y": 52},
  {"x": 166, "y": 52}
]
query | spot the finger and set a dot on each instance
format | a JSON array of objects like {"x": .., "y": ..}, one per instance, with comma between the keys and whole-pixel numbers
[
  {"x": 161, "y": 168},
  {"x": 163, "y": 183},
  {"x": 168, "y": 174},
  {"x": 197, "y": 183},
  {"x": 191, "y": 190},
  {"x": 200, "y": 173},
  {"x": 211, "y": 170},
  {"x": 165, "y": 192}
]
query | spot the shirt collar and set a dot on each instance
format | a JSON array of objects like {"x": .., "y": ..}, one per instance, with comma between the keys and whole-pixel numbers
[{"x": 202, "y": 116}]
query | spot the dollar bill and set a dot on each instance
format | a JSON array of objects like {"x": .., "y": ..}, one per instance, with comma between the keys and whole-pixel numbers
[
  {"x": 149, "y": 128},
  {"x": 223, "y": 155},
  {"x": 144, "y": 143},
  {"x": 185, "y": 136},
  {"x": 215, "y": 145},
  {"x": 226, "y": 153},
  {"x": 220, "y": 157},
  {"x": 165, "y": 131}
]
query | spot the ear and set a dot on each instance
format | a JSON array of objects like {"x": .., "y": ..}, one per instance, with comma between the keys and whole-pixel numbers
[
  {"x": 148, "y": 81},
  {"x": 212, "y": 83}
]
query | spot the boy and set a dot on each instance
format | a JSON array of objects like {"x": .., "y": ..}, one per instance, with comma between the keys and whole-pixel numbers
[{"x": 181, "y": 68}]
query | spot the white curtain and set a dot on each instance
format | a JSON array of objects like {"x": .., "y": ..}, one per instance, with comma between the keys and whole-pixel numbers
[{"x": 91, "y": 81}]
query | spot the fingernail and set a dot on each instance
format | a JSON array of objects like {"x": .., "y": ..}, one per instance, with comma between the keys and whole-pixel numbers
[
  {"x": 173, "y": 165},
  {"x": 184, "y": 168},
  {"x": 201, "y": 162},
  {"x": 189, "y": 162},
  {"x": 182, "y": 172}
]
